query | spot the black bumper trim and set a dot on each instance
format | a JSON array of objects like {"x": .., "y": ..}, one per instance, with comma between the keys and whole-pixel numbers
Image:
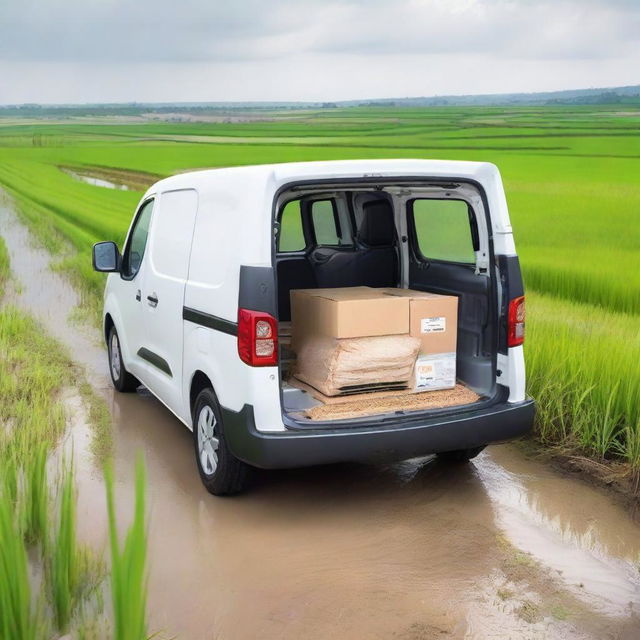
[{"x": 290, "y": 449}]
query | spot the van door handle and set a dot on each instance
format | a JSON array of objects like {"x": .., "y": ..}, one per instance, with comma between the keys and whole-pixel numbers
[
  {"x": 138, "y": 295},
  {"x": 153, "y": 300}
]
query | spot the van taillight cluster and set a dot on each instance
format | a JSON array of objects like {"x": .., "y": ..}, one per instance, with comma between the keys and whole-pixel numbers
[
  {"x": 515, "y": 327},
  {"x": 257, "y": 338}
]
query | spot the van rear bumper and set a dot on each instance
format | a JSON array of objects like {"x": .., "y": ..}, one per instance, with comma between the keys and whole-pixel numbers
[{"x": 396, "y": 439}]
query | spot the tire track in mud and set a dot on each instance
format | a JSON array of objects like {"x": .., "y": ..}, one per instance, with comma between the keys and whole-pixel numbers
[{"x": 503, "y": 547}]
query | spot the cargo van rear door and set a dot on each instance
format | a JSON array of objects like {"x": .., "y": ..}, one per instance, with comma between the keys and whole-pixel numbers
[{"x": 448, "y": 255}]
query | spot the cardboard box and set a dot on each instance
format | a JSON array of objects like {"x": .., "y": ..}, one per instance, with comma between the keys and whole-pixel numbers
[
  {"x": 433, "y": 318},
  {"x": 347, "y": 312},
  {"x": 435, "y": 371},
  {"x": 363, "y": 312}
]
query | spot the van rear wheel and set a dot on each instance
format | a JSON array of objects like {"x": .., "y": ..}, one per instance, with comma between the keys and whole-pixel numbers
[
  {"x": 220, "y": 471},
  {"x": 461, "y": 455},
  {"x": 121, "y": 378}
]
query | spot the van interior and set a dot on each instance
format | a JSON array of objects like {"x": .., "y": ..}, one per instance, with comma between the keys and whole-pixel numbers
[{"x": 425, "y": 236}]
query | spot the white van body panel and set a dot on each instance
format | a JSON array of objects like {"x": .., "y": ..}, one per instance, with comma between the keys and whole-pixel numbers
[
  {"x": 233, "y": 226},
  {"x": 165, "y": 276}
]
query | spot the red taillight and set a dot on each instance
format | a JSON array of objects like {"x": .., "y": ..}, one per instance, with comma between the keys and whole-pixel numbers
[
  {"x": 257, "y": 338},
  {"x": 515, "y": 327}
]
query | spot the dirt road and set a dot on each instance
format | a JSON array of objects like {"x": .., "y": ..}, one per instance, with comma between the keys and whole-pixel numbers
[{"x": 504, "y": 547}]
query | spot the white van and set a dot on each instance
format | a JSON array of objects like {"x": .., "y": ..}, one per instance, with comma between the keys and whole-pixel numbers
[{"x": 193, "y": 305}]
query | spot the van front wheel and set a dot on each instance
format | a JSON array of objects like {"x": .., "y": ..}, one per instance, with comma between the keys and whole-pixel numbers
[
  {"x": 220, "y": 471},
  {"x": 121, "y": 378}
]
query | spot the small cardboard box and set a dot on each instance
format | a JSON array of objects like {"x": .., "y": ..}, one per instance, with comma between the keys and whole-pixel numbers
[
  {"x": 436, "y": 371},
  {"x": 433, "y": 318},
  {"x": 347, "y": 312}
]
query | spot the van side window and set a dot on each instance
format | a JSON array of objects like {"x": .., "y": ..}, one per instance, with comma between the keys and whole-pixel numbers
[
  {"x": 134, "y": 251},
  {"x": 291, "y": 237},
  {"x": 443, "y": 229}
]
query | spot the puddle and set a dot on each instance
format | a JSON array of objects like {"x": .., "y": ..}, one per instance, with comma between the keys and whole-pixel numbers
[
  {"x": 96, "y": 181},
  {"x": 581, "y": 535},
  {"x": 404, "y": 551}
]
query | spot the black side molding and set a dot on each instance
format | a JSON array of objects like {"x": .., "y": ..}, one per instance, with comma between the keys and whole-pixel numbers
[
  {"x": 155, "y": 360},
  {"x": 212, "y": 322}
]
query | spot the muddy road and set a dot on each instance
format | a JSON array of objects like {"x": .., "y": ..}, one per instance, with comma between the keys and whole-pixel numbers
[{"x": 504, "y": 547}]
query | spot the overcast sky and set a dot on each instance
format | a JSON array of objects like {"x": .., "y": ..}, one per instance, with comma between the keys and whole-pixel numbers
[{"x": 210, "y": 50}]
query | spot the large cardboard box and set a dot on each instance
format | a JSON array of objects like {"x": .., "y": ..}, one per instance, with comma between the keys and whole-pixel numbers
[
  {"x": 433, "y": 318},
  {"x": 347, "y": 312}
]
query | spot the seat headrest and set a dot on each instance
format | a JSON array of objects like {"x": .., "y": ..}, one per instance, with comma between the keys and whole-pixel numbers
[{"x": 377, "y": 228}]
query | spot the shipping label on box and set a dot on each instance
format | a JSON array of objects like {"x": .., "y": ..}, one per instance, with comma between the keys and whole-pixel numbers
[
  {"x": 433, "y": 325},
  {"x": 435, "y": 371}
]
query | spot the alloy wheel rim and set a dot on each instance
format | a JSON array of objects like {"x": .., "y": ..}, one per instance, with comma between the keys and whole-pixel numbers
[
  {"x": 115, "y": 357},
  {"x": 208, "y": 442}
]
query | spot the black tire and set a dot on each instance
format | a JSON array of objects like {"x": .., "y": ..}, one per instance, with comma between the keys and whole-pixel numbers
[
  {"x": 122, "y": 380},
  {"x": 221, "y": 472},
  {"x": 461, "y": 455}
]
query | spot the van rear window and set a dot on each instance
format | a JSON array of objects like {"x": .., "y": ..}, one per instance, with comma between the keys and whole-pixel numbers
[
  {"x": 291, "y": 236},
  {"x": 443, "y": 229},
  {"x": 325, "y": 223}
]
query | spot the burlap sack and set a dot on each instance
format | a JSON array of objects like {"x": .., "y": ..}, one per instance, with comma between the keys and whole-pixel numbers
[{"x": 335, "y": 366}]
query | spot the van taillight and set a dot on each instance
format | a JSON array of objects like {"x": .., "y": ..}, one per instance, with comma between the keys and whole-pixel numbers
[
  {"x": 257, "y": 338},
  {"x": 515, "y": 327}
]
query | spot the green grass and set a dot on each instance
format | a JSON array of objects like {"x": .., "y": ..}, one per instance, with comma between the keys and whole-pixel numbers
[
  {"x": 48, "y": 579},
  {"x": 18, "y": 619},
  {"x": 4, "y": 267},
  {"x": 63, "y": 572},
  {"x": 32, "y": 367},
  {"x": 128, "y": 564},
  {"x": 584, "y": 371},
  {"x": 36, "y": 496},
  {"x": 571, "y": 177}
]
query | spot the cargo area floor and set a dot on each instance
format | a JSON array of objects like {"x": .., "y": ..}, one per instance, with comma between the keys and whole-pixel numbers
[{"x": 308, "y": 403}]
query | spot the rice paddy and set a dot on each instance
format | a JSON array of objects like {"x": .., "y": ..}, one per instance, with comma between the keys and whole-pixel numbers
[
  {"x": 51, "y": 583},
  {"x": 571, "y": 177}
]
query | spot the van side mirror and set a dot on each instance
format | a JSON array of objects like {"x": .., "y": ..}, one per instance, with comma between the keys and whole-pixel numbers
[{"x": 106, "y": 257}]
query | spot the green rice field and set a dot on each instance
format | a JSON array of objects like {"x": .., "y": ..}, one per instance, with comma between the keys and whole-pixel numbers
[
  {"x": 51, "y": 583},
  {"x": 572, "y": 176}
]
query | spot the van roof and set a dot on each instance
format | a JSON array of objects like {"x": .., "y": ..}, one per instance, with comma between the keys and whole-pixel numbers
[
  {"x": 282, "y": 173},
  {"x": 246, "y": 187}
]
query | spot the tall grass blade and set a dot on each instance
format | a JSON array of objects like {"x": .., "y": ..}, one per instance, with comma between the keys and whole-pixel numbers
[
  {"x": 63, "y": 570},
  {"x": 36, "y": 497},
  {"x": 128, "y": 565},
  {"x": 17, "y": 620}
]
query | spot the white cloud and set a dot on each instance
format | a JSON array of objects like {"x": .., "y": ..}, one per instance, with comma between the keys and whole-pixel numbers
[{"x": 112, "y": 50}]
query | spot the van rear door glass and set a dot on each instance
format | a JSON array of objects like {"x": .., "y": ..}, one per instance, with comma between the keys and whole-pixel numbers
[
  {"x": 325, "y": 225},
  {"x": 291, "y": 236},
  {"x": 443, "y": 229}
]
